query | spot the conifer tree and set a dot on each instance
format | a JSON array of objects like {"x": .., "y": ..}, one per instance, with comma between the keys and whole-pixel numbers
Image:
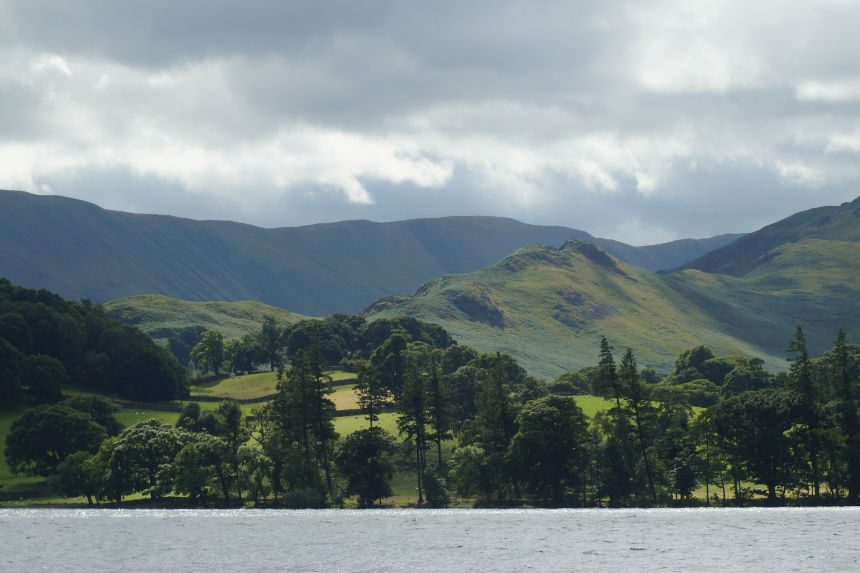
[
  {"x": 413, "y": 418},
  {"x": 641, "y": 408},
  {"x": 372, "y": 395},
  {"x": 801, "y": 382},
  {"x": 850, "y": 414}
]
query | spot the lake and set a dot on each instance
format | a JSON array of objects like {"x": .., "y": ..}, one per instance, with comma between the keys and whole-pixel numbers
[{"x": 574, "y": 540}]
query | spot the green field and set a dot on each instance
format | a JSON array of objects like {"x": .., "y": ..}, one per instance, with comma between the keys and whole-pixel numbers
[
  {"x": 248, "y": 387},
  {"x": 344, "y": 398}
]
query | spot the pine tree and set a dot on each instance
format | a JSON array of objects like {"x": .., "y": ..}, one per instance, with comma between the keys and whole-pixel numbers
[
  {"x": 439, "y": 407},
  {"x": 607, "y": 377},
  {"x": 372, "y": 396},
  {"x": 800, "y": 380},
  {"x": 640, "y": 407},
  {"x": 850, "y": 414},
  {"x": 413, "y": 418}
]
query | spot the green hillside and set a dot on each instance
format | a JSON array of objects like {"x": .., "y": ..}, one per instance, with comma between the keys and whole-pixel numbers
[
  {"x": 79, "y": 250},
  {"x": 756, "y": 249},
  {"x": 548, "y": 308},
  {"x": 158, "y": 315}
]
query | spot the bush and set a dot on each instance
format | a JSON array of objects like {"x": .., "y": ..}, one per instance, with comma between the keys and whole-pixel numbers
[
  {"x": 304, "y": 498},
  {"x": 435, "y": 489}
]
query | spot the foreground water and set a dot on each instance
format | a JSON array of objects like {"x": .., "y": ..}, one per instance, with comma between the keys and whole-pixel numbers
[{"x": 817, "y": 539}]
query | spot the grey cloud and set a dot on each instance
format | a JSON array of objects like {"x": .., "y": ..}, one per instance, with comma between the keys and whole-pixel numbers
[{"x": 546, "y": 112}]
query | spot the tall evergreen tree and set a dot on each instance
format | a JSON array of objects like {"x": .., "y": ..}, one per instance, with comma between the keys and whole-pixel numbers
[
  {"x": 323, "y": 408},
  {"x": 607, "y": 375},
  {"x": 849, "y": 414},
  {"x": 413, "y": 418},
  {"x": 495, "y": 422},
  {"x": 620, "y": 426},
  {"x": 641, "y": 409},
  {"x": 801, "y": 382},
  {"x": 372, "y": 395},
  {"x": 439, "y": 406}
]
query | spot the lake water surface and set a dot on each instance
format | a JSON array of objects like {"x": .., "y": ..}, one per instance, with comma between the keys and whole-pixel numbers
[{"x": 575, "y": 540}]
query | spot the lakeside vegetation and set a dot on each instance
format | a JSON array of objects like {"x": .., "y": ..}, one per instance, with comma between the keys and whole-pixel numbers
[{"x": 431, "y": 421}]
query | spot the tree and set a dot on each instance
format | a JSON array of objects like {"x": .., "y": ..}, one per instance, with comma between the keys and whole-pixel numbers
[
  {"x": 849, "y": 412},
  {"x": 548, "y": 447},
  {"x": 11, "y": 360},
  {"x": 256, "y": 467},
  {"x": 43, "y": 378},
  {"x": 754, "y": 429},
  {"x": 641, "y": 411},
  {"x": 100, "y": 409},
  {"x": 238, "y": 355},
  {"x": 270, "y": 341},
  {"x": 495, "y": 423},
  {"x": 745, "y": 376},
  {"x": 45, "y": 435},
  {"x": 139, "y": 453},
  {"x": 79, "y": 474},
  {"x": 617, "y": 426},
  {"x": 234, "y": 433},
  {"x": 465, "y": 386},
  {"x": 201, "y": 463},
  {"x": 438, "y": 406},
  {"x": 364, "y": 459},
  {"x": 801, "y": 382},
  {"x": 606, "y": 377},
  {"x": 413, "y": 418},
  {"x": 208, "y": 354},
  {"x": 389, "y": 359},
  {"x": 372, "y": 395},
  {"x": 470, "y": 472}
]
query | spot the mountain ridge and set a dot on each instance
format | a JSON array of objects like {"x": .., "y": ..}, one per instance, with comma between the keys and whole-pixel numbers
[
  {"x": 80, "y": 250},
  {"x": 548, "y": 307}
]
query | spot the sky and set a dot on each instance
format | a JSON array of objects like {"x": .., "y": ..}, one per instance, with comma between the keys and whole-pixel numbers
[{"x": 639, "y": 121}]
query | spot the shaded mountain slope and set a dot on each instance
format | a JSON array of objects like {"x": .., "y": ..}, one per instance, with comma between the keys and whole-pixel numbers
[
  {"x": 82, "y": 251},
  {"x": 745, "y": 254},
  {"x": 549, "y": 307}
]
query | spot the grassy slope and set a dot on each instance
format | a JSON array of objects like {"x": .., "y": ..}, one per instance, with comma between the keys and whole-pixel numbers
[
  {"x": 79, "y": 250},
  {"x": 249, "y": 387},
  {"x": 152, "y": 313},
  {"x": 549, "y": 308},
  {"x": 753, "y": 250}
]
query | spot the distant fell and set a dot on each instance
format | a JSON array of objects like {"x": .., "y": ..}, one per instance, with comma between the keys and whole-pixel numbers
[
  {"x": 752, "y": 250},
  {"x": 549, "y": 307},
  {"x": 80, "y": 250}
]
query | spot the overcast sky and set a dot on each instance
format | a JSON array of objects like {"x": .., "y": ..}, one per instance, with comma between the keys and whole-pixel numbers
[{"x": 639, "y": 121}]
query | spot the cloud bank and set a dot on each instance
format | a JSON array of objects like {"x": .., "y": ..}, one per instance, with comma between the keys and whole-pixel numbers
[{"x": 639, "y": 122}]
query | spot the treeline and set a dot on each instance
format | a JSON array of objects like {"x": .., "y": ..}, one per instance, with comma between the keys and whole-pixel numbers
[
  {"x": 341, "y": 341},
  {"x": 48, "y": 343},
  {"x": 517, "y": 438}
]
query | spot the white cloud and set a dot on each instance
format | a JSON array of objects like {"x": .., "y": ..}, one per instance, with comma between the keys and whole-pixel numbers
[
  {"x": 623, "y": 109},
  {"x": 798, "y": 173},
  {"x": 833, "y": 91},
  {"x": 51, "y": 63}
]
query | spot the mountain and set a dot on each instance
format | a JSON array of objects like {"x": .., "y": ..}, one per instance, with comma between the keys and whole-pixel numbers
[
  {"x": 751, "y": 251},
  {"x": 549, "y": 307},
  {"x": 80, "y": 250}
]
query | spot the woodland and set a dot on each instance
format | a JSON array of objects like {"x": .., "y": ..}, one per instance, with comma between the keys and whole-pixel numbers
[{"x": 470, "y": 428}]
